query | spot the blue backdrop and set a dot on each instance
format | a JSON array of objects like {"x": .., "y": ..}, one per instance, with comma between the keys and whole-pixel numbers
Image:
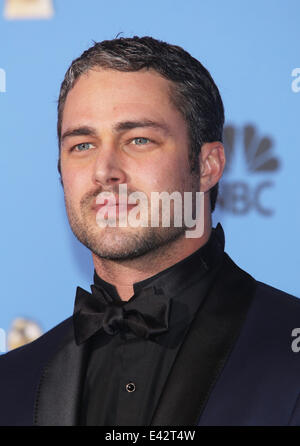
[{"x": 251, "y": 49}]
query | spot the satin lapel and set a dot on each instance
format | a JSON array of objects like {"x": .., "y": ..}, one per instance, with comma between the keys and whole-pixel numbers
[
  {"x": 58, "y": 397},
  {"x": 206, "y": 348}
]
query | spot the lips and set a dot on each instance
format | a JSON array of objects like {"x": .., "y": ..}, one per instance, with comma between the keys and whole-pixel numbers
[
  {"x": 120, "y": 205},
  {"x": 117, "y": 206},
  {"x": 110, "y": 202}
]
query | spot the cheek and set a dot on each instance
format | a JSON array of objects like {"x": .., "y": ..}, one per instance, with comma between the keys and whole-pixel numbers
[
  {"x": 74, "y": 185},
  {"x": 163, "y": 176},
  {"x": 150, "y": 178}
]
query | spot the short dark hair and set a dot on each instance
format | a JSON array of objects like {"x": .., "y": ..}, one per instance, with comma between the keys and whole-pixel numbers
[{"x": 194, "y": 92}]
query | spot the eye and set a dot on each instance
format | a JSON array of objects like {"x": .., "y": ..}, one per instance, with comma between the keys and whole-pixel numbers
[
  {"x": 82, "y": 147},
  {"x": 140, "y": 141}
]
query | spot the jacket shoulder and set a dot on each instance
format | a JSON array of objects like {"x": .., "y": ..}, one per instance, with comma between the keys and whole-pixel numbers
[
  {"x": 20, "y": 372},
  {"x": 40, "y": 348},
  {"x": 260, "y": 381},
  {"x": 263, "y": 293},
  {"x": 277, "y": 297}
]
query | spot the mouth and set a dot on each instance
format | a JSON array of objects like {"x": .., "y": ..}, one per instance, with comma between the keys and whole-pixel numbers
[{"x": 113, "y": 207}]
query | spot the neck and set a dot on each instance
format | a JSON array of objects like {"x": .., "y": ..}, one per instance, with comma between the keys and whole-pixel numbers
[{"x": 123, "y": 274}]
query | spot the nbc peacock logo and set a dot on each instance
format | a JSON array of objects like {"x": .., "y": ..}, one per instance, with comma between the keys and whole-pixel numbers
[{"x": 249, "y": 174}]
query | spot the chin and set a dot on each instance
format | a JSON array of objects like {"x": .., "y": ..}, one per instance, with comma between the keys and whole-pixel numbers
[{"x": 121, "y": 244}]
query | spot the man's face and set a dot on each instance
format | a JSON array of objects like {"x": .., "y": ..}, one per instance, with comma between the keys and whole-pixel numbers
[{"x": 121, "y": 128}]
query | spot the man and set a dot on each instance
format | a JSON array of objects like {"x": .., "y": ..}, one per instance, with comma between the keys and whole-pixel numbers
[{"x": 173, "y": 333}]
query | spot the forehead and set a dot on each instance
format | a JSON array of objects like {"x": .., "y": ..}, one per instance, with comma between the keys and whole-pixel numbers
[{"x": 107, "y": 95}]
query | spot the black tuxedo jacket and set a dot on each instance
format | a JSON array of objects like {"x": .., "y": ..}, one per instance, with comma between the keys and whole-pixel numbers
[{"x": 236, "y": 365}]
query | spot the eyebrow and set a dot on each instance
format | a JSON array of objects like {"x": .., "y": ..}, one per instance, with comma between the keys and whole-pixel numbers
[{"x": 118, "y": 128}]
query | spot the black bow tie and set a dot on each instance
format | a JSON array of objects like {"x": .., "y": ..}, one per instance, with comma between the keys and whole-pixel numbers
[{"x": 145, "y": 315}]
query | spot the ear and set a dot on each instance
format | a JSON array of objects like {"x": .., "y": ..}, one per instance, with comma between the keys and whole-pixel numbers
[{"x": 212, "y": 163}]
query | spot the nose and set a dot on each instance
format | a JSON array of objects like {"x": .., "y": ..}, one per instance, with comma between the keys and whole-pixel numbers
[{"x": 108, "y": 169}]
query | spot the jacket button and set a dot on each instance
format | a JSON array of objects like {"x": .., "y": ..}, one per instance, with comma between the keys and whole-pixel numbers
[{"x": 130, "y": 387}]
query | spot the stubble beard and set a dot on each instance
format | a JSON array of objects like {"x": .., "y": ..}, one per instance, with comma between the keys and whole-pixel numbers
[{"x": 118, "y": 243}]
